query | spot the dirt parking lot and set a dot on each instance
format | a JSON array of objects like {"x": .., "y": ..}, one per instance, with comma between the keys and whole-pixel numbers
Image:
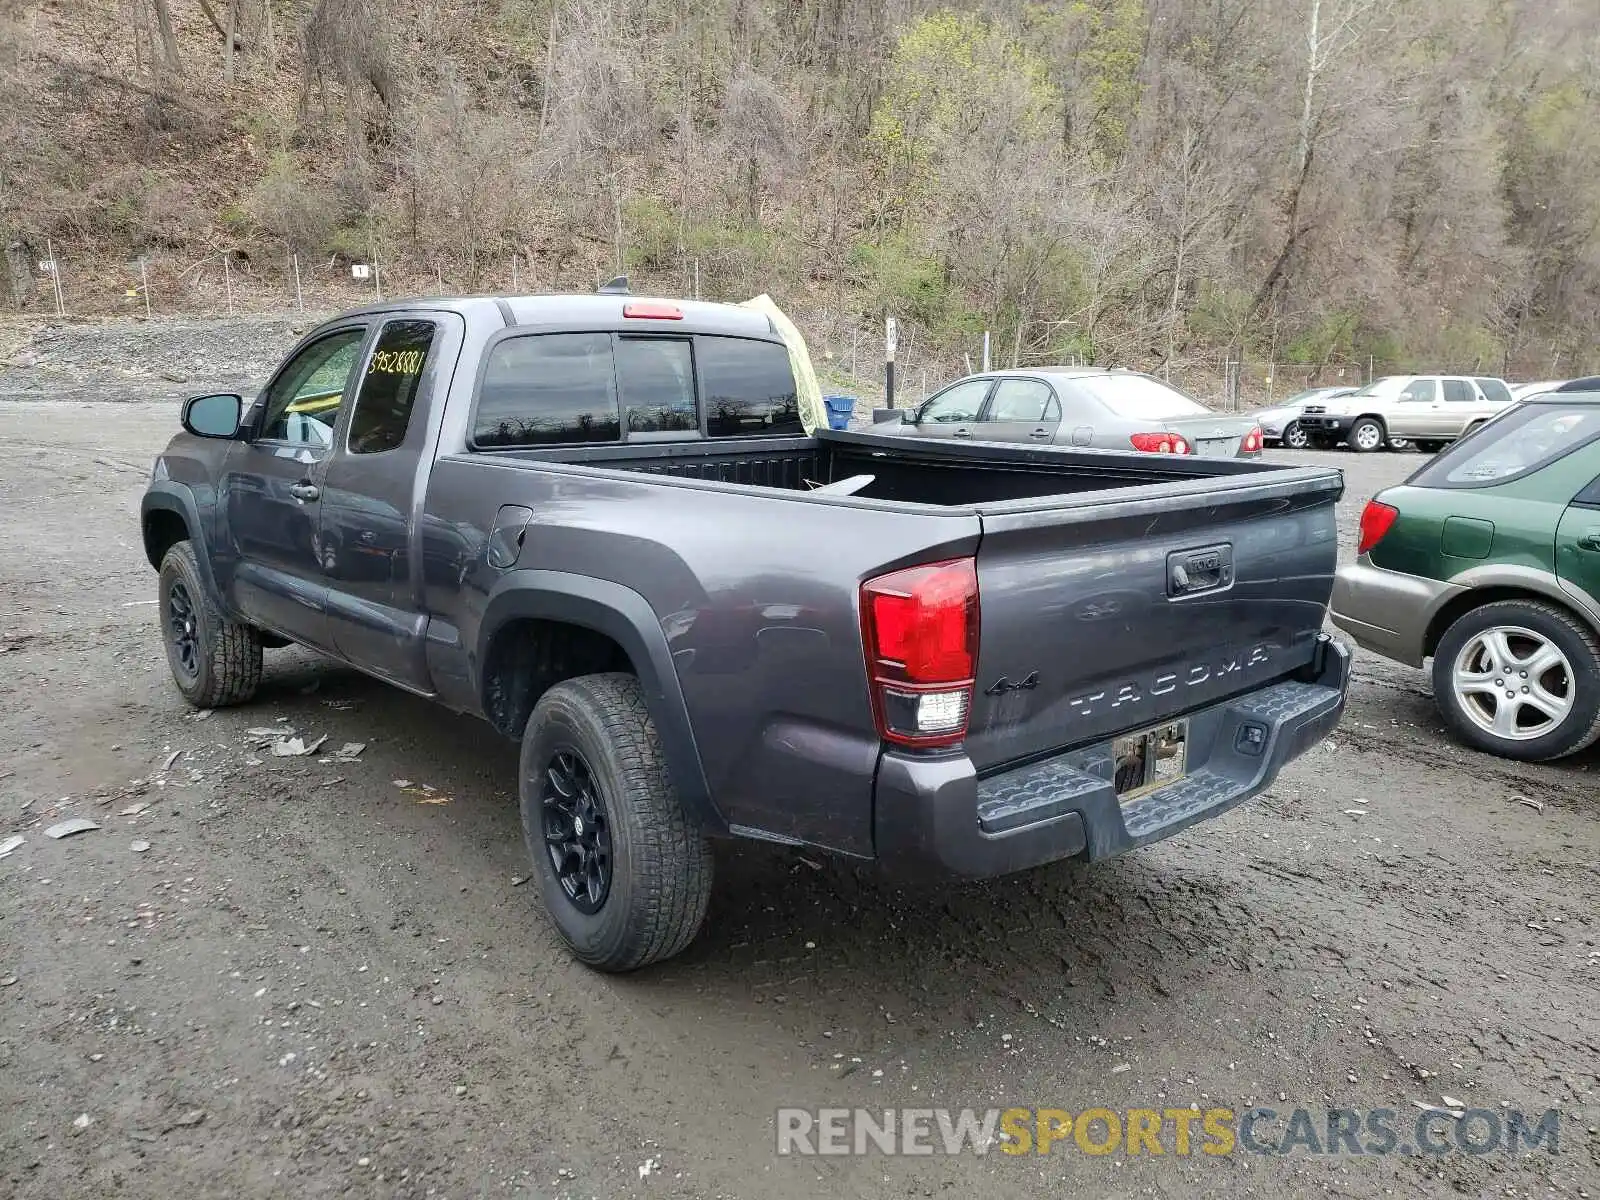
[{"x": 265, "y": 977}]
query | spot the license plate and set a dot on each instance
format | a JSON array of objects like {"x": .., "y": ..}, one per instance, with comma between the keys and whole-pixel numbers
[
  {"x": 1150, "y": 760},
  {"x": 1215, "y": 447}
]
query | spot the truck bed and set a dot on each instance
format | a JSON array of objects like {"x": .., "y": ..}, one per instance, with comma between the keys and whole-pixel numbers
[{"x": 945, "y": 474}]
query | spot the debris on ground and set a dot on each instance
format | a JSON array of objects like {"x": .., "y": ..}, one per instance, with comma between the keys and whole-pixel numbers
[
  {"x": 1536, "y": 805},
  {"x": 1454, "y": 1113},
  {"x": 1355, "y": 812},
  {"x": 10, "y": 844},
  {"x": 82, "y": 1121},
  {"x": 648, "y": 1166},
  {"x": 425, "y": 793},
  {"x": 518, "y": 880},
  {"x": 69, "y": 827},
  {"x": 190, "y": 1119},
  {"x": 133, "y": 810},
  {"x": 294, "y": 747},
  {"x": 347, "y": 753},
  {"x": 139, "y": 846},
  {"x": 171, "y": 758}
]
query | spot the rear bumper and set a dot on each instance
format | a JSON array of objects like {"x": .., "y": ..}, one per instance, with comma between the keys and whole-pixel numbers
[
  {"x": 935, "y": 813},
  {"x": 1387, "y": 612}
]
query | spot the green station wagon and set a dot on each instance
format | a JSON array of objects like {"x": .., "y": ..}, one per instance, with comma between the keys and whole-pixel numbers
[{"x": 1487, "y": 561}]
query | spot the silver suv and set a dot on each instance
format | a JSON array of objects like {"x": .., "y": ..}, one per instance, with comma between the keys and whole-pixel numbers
[{"x": 1429, "y": 410}]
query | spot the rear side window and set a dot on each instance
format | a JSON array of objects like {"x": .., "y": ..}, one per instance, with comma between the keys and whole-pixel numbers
[
  {"x": 1019, "y": 400},
  {"x": 749, "y": 388},
  {"x": 1495, "y": 391},
  {"x": 389, "y": 388},
  {"x": 1459, "y": 391},
  {"x": 656, "y": 377},
  {"x": 549, "y": 389},
  {"x": 1521, "y": 440}
]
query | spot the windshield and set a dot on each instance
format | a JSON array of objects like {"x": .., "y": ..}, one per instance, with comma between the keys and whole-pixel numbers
[
  {"x": 1381, "y": 387},
  {"x": 1524, "y": 438},
  {"x": 1139, "y": 397}
]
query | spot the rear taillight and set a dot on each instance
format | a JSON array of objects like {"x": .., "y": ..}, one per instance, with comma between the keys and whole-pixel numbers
[
  {"x": 920, "y": 629},
  {"x": 1252, "y": 441},
  {"x": 1376, "y": 520},
  {"x": 1159, "y": 443}
]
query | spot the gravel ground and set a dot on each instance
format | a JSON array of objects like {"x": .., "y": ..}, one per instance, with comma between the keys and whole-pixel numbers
[{"x": 289, "y": 977}]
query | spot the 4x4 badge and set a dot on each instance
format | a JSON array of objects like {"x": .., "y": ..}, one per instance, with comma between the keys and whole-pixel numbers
[{"x": 1002, "y": 685}]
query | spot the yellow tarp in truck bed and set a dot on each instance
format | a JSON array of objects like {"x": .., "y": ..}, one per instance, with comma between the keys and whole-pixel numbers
[{"x": 813, "y": 413}]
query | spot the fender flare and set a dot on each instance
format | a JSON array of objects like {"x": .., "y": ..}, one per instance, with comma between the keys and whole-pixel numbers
[
  {"x": 626, "y": 617},
  {"x": 165, "y": 496}
]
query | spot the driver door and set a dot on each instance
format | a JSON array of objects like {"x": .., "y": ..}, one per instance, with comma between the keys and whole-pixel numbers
[
  {"x": 953, "y": 413},
  {"x": 1416, "y": 410},
  {"x": 271, "y": 487}
]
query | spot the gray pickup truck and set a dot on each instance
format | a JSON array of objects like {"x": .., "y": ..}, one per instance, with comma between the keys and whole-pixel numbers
[{"x": 597, "y": 523}]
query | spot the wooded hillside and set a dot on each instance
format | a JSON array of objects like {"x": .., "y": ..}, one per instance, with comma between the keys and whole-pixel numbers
[{"x": 1118, "y": 180}]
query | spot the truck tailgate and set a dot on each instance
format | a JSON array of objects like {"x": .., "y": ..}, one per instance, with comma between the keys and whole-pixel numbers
[{"x": 1106, "y": 613}]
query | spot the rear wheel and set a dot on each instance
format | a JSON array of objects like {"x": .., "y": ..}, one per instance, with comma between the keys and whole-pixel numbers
[
  {"x": 1295, "y": 438},
  {"x": 1399, "y": 443},
  {"x": 623, "y": 873},
  {"x": 1366, "y": 435},
  {"x": 1521, "y": 679},
  {"x": 1430, "y": 447},
  {"x": 214, "y": 661}
]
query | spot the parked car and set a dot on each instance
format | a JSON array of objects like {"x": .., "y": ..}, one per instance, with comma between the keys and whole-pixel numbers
[
  {"x": 1487, "y": 561},
  {"x": 1281, "y": 425},
  {"x": 549, "y": 512},
  {"x": 1081, "y": 406},
  {"x": 1430, "y": 410}
]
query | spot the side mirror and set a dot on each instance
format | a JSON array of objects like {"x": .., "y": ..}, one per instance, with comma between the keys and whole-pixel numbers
[{"x": 213, "y": 416}]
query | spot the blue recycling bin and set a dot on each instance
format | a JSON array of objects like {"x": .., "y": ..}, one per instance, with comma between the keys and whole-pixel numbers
[{"x": 840, "y": 410}]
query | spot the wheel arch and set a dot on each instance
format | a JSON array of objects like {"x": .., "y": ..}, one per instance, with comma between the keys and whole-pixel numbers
[
  {"x": 1508, "y": 583},
  {"x": 597, "y": 618},
  {"x": 168, "y": 514}
]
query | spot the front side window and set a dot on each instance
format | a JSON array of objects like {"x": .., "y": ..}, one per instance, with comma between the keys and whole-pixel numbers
[
  {"x": 656, "y": 378},
  {"x": 1020, "y": 400},
  {"x": 749, "y": 388},
  {"x": 1520, "y": 440},
  {"x": 1139, "y": 397},
  {"x": 549, "y": 389},
  {"x": 956, "y": 405},
  {"x": 303, "y": 402},
  {"x": 389, "y": 388},
  {"x": 1420, "y": 391}
]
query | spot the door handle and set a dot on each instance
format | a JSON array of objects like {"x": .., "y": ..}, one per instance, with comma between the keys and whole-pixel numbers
[
  {"x": 305, "y": 491},
  {"x": 962, "y": 433},
  {"x": 1590, "y": 541},
  {"x": 1040, "y": 435}
]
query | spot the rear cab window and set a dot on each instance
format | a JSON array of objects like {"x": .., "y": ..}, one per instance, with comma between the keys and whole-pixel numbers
[
  {"x": 1522, "y": 440},
  {"x": 555, "y": 389}
]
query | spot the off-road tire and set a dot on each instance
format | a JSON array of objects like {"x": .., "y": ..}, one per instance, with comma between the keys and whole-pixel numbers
[
  {"x": 661, "y": 865},
  {"x": 1576, "y": 640},
  {"x": 1354, "y": 436},
  {"x": 228, "y": 662}
]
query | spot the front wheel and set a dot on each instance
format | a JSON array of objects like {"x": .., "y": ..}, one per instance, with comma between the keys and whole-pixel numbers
[
  {"x": 623, "y": 873},
  {"x": 1366, "y": 435},
  {"x": 1521, "y": 679},
  {"x": 1295, "y": 438},
  {"x": 214, "y": 661}
]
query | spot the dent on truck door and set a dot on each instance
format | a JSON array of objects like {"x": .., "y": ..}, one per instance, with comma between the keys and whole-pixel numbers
[{"x": 366, "y": 533}]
